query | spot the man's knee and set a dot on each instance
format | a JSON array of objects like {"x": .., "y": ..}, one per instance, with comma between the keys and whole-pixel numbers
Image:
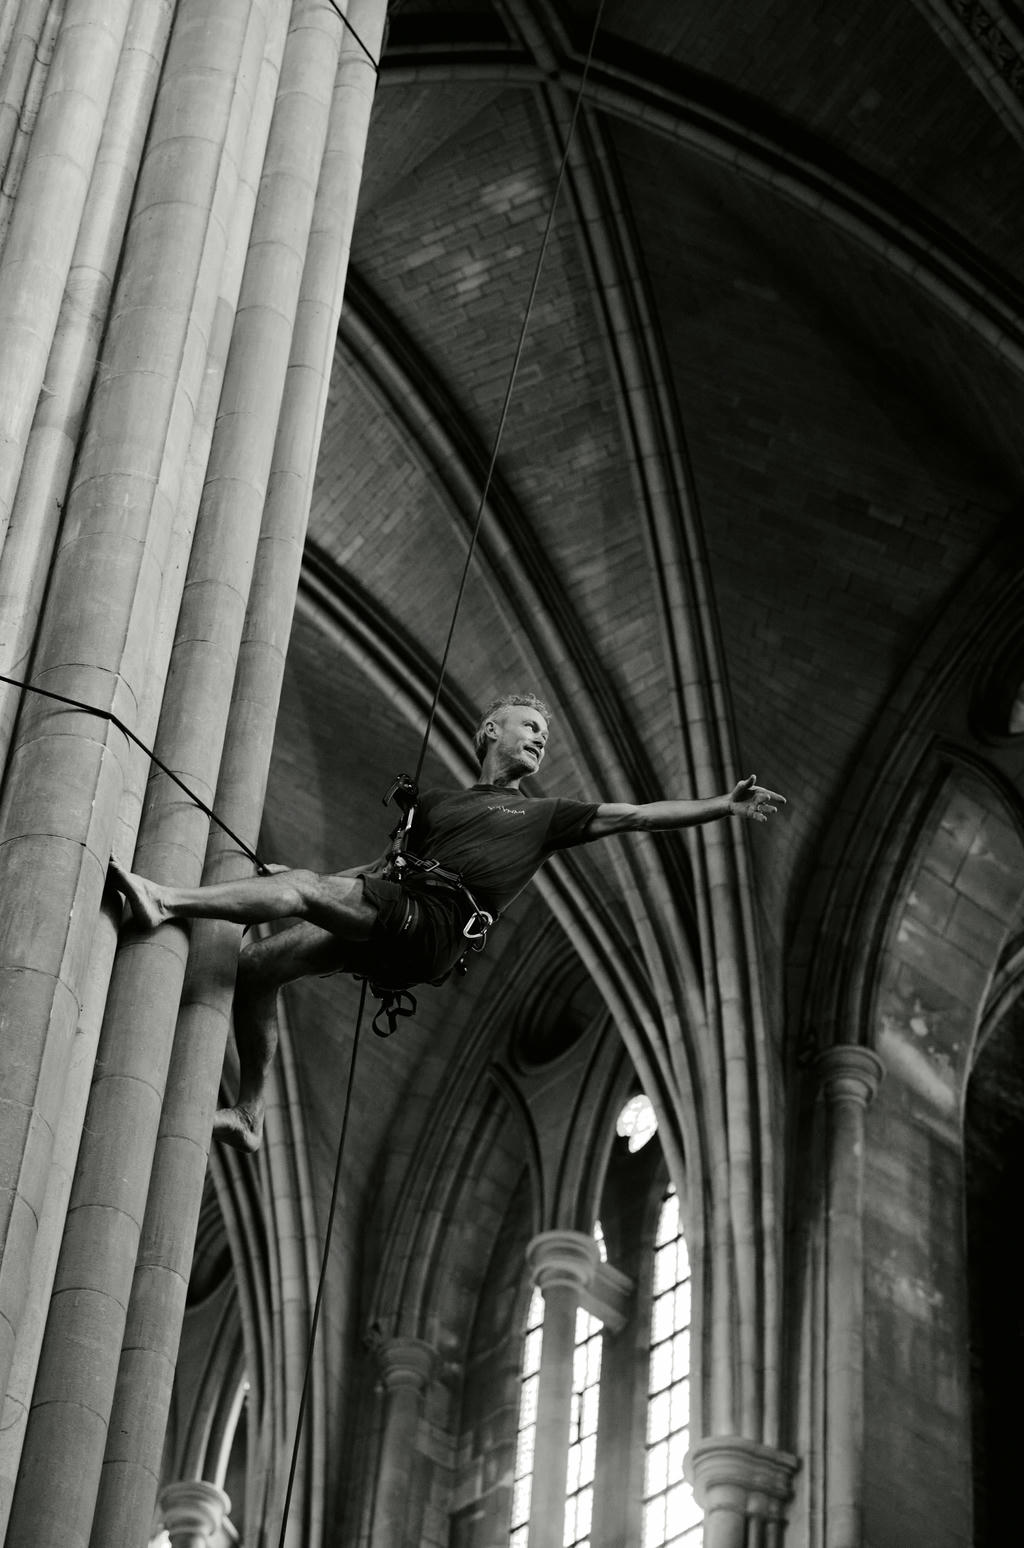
[
  {"x": 261, "y": 967},
  {"x": 305, "y": 887}
]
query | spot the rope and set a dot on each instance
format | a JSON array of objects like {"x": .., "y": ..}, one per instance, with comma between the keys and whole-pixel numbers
[
  {"x": 335, "y": 7},
  {"x": 315, "y": 1323},
  {"x": 101, "y": 714},
  {"x": 502, "y": 418}
]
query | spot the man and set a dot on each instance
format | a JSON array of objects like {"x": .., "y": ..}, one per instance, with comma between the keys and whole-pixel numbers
[{"x": 398, "y": 934}]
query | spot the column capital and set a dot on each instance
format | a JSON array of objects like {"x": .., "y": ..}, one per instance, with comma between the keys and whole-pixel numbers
[
  {"x": 193, "y": 1508},
  {"x": 405, "y": 1362},
  {"x": 849, "y": 1072},
  {"x": 566, "y": 1259},
  {"x": 732, "y": 1473}
]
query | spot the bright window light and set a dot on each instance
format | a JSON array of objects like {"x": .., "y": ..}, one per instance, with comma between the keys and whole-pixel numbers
[
  {"x": 672, "y": 1517},
  {"x": 526, "y": 1435},
  {"x": 637, "y": 1122}
]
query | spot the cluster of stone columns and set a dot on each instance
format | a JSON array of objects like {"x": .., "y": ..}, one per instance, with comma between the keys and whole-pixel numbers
[
  {"x": 743, "y": 1486},
  {"x": 170, "y": 281}
]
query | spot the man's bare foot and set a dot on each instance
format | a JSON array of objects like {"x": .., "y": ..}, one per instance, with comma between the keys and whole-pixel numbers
[
  {"x": 142, "y": 896},
  {"x": 240, "y": 1127}
]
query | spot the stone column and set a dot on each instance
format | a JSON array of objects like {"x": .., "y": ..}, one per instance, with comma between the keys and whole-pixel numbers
[
  {"x": 44, "y": 225},
  {"x": 65, "y": 776},
  {"x": 158, "y": 1293},
  {"x": 192, "y": 1512},
  {"x": 70, "y": 369},
  {"x": 743, "y": 1489},
  {"x": 850, "y": 1076},
  {"x": 406, "y": 1367},
  {"x": 562, "y": 1263},
  {"x": 78, "y": 1364}
]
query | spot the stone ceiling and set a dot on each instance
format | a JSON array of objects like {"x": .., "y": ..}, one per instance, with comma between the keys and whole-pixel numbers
[{"x": 769, "y": 403}]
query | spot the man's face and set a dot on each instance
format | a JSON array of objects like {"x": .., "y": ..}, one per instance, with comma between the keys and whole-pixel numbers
[{"x": 522, "y": 737}]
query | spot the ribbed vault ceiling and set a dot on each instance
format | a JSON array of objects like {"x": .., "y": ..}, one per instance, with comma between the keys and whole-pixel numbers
[{"x": 800, "y": 228}]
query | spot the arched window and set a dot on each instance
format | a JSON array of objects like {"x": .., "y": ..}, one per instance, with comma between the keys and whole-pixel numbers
[
  {"x": 672, "y": 1517},
  {"x": 526, "y": 1434}
]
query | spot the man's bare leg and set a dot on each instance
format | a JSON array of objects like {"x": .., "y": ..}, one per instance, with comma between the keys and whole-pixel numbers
[
  {"x": 334, "y": 914},
  {"x": 336, "y": 903},
  {"x": 264, "y": 967}
]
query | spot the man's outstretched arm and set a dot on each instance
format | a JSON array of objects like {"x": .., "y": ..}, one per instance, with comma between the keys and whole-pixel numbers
[{"x": 748, "y": 799}]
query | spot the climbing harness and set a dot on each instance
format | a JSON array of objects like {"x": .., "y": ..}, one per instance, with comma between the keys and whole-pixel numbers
[{"x": 401, "y": 865}]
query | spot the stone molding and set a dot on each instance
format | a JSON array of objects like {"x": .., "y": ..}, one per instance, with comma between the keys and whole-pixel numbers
[
  {"x": 406, "y": 1362},
  {"x": 566, "y": 1259},
  {"x": 608, "y": 1297},
  {"x": 729, "y": 1472},
  {"x": 193, "y": 1508},
  {"x": 849, "y": 1072}
]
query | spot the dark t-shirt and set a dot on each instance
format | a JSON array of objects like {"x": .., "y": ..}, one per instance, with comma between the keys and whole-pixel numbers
[{"x": 496, "y": 838}]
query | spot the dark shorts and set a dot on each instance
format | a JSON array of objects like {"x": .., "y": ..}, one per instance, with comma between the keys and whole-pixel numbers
[{"x": 417, "y": 937}]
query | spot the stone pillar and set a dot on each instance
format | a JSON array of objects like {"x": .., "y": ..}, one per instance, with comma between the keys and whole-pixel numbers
[
  {"x": 158, "y": 1293},
  {"x": 70, "y": 369},
  {"x": 44, "y": 224},
  {"x": 78, "y": 1365},
  {"x": 849, "y": 1075},
  {"x": 406, "y": 1367},
  {"x": 66, "y": 772},
  {"x": 192, "y": 1512},
  {"x": 562, "y": 1263},
  {"x": 743, "y": 1489}
]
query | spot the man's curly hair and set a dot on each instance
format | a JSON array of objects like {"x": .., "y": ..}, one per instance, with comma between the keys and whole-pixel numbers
[{"x": 507, "y": 700}]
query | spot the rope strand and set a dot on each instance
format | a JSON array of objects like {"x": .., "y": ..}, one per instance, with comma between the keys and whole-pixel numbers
[
  {"x": 315, "y": 1323},
  {"x": 118, "y": 723},
  {"x": 506, "y": 404},
  {"x": 362, "y": 45}
]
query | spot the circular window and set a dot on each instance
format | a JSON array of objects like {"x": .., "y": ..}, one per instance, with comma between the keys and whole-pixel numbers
[{"x": 637, "y": 1122}]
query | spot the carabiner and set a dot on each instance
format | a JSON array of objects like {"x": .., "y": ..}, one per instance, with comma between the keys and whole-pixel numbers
[{"x": 477, "y": 925}]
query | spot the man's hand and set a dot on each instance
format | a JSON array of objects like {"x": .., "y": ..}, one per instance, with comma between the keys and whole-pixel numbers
[{"x": 749, "y": 799}]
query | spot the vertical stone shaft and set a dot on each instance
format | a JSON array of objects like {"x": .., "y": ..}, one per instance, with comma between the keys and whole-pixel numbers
[
  {"x": 55, "y": 1202},
  {"x": 108, "y": 1200},
  {"x": 23, "y": 568},
  {"x": 63, "y": 783},
  {"x": 72, "y": 363},
  {"x": 21, "y": 30},
  {"x": 562, "y": 1263},
  {"x": 253, "y": 135},
  {"x": 44, "y": 224},
  {"x": 850, "y": 1075},
  {"x": 406, "y": 1366},
  {"x": 157, "y": 1302}
]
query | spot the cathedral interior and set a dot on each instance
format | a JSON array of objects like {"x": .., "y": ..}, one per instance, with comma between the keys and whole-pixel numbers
[{"x": 684, "y": 1216}]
